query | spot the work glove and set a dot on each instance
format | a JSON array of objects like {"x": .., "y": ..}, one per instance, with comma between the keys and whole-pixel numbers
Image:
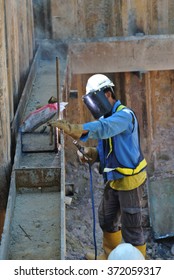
[
  {"x": 90, "y": 155},
  {"x": 74, "y": 130}
]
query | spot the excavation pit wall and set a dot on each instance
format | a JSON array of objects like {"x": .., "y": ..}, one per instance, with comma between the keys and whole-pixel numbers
[{"x": 135, "y": 87}]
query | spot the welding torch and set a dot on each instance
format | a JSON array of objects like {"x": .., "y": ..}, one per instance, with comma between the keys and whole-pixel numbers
[{"x": 81, "y": 150}]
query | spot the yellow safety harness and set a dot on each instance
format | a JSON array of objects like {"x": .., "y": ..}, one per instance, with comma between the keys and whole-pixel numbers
[
  {"x": 119, "y": 108},
  {"x": 130, "y": 171}
]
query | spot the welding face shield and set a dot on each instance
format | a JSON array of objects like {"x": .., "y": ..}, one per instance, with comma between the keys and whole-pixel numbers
[{"x": 97, "y": 103}]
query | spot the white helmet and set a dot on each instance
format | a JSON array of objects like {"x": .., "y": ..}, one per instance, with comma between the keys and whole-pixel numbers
[
  {"x": 125, "y": 251},
  {"x": 97, "y": 82}
]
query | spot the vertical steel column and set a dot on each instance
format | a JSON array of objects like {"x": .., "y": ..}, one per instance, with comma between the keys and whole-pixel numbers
[
  {"x": 58, "y": 86},
  {"x": 62, "y": 152}
]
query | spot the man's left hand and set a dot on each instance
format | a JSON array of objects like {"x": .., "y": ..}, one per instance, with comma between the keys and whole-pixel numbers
[{"x": 74, "y": 130}]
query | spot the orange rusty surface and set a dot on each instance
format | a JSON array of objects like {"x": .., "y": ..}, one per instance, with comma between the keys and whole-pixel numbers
[{"x": 38, "y": 177}]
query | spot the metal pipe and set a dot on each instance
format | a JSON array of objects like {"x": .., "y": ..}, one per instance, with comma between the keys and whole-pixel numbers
[{"x": 58, "y": 86}]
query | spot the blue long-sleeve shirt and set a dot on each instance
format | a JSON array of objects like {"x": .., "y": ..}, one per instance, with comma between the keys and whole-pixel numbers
[
  {"x": 105, "y": 128},
  {"x": 122, "y": 128}
]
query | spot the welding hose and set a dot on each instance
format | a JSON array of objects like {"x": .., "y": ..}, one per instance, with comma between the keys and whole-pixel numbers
[
  {"x": 81, "y": 149},
  {"x": 93, "y": 210}
]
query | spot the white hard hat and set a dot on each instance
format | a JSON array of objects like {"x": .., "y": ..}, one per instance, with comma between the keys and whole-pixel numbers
[
  {"x": 98, "y": 81},
  {"x": 125, "y": 251}
]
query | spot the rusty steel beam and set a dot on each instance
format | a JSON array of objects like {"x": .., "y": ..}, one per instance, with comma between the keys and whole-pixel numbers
[
  {"x": 38, "y": 177},
  {"x": 123, "y": 54}
]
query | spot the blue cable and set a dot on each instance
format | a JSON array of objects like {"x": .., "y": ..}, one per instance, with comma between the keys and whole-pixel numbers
[
  {"x": 93, "y": 210},
  {"x": 81, "y": 149}
]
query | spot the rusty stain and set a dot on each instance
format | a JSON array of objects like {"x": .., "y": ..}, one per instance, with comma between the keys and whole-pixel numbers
[{"x": 37, "y": 177}]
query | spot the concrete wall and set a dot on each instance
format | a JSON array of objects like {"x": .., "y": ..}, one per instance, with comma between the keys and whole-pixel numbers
[{"x": 16, "y": 53}]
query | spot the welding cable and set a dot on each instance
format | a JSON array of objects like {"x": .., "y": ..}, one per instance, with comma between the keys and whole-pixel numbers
[
  {"x": 93, "y": 210},
  {"x": 81, "y": 149}
]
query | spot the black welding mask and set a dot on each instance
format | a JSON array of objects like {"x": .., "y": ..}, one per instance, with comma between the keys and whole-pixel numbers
[{"x": 97, "y": 103}]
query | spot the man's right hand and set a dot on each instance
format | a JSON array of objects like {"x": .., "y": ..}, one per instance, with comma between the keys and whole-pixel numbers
[{"x": 91, "y": 155}]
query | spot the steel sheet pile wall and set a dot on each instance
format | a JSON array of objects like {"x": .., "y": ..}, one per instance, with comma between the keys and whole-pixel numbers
[
  {"x": 16, "y": 53},
  {"x": 75, "y": 19},
  {"x": 4, "y": 118}
]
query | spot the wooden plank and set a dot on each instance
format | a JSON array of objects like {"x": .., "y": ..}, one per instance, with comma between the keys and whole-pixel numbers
[{"x": 133, "y": 53}]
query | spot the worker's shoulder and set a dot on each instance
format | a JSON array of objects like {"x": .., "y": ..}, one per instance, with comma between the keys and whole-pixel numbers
[{"x": 123, "y": 110}]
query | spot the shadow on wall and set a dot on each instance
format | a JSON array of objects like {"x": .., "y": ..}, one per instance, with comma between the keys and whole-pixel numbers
[
  {"x": 3, "y": 202},
  {"x": 2, "y": 218},
  {"x": 50, "y": 49}
]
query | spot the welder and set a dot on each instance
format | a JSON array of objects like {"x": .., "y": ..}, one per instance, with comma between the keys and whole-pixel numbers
[{"x": 121, "y": 162}]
